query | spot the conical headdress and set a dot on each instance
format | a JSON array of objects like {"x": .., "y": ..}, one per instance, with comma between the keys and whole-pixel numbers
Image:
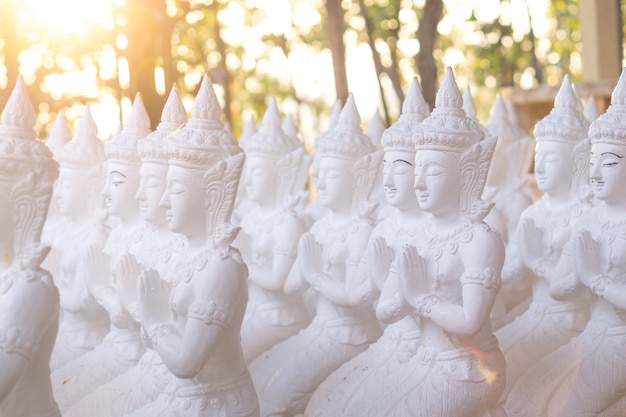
[
  {"x": 203, "y": 141},
  {"x": 347, "y": 139},
  {"x": 565, "y": 123},
  {"x": 123, "y": 147},
  {"x": 610, "y": 127},
  {"x": 154, "y": 148},
  {"x": 270, "y": 140},
  {"x": 399, "y": 136},
  {"x": 448, "y": 127}
]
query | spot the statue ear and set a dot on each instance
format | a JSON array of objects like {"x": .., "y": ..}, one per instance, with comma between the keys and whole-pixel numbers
[
  {"x": 474, "y": 168},
  {"x": 580, "y": 176},
  {"x": 220, "y": 184},
  {"x": 365, "y": 171},
  {"x": 289, "y": 170}
]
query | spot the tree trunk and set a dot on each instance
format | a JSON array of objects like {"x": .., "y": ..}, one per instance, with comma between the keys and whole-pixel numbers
[
  {"x": 335, "y": 29},
  {"x": 378, "y": 65},
  {"x": 427, "y": 36},
  {"x": 147, "y": 19}
]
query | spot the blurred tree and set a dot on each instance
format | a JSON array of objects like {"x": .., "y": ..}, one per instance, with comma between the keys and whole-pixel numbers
[{"x": 284, "y": 48}]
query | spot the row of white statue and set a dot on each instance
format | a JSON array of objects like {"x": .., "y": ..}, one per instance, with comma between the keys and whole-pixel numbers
[{"x": 186, "y": 279}]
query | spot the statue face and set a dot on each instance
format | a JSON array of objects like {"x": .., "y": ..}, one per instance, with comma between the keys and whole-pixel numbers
[
  {"x": 71, "y": 193},
  {"x": 184, "y": 202},
  {"x": 334, "y": 183},
  {"x": 259, "y": 178},
  {"x": 152, "y": 181},
  {"x": 120, "y": 188},
  {"x": 437, "y": 182},
  {"x": 398, "y": 179},
  {"x": 554, "y": 167},
  {"x": 608, "y": 172}
]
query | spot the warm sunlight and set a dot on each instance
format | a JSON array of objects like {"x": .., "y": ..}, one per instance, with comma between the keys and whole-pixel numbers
[{"x": 65, "y": 16}]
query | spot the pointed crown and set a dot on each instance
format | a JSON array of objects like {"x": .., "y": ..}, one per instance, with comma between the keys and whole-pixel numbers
[
  {"x": 154, "y": 148},
  {"x": 123, "y": 147},
  {"x": 399, "y": 136},
  {"x": 270, "y": 140},
  {"x": 204, "y": 140},
  {"x": 19, "y": 146},
  {"x": 85, "y": 150},
  {"x": 565, "y": 123},
  {"x": 375, "y": 129},
  {"x": 610, "y": 127},
  {"x": 59, "y": 134},
  {"x": 448, "y": 127},
  {"x": 347, "y": 139},
  {"x": 500, "y": 123}
]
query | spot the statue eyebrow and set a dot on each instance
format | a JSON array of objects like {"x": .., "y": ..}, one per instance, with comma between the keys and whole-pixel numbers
[
  {"x": 402, "y": 160},
  {"x": 118, "y": 173},
  {"x": 611, "y": 153}
]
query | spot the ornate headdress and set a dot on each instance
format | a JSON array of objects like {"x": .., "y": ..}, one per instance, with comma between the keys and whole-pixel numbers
[
  {"x": 565, "y": 123},
  {"x": 203, "y": 141},
  {"x": 399, "y": 136},
  {"x": 59, "y": 134},
  {"x": 347, "y": 139},
  {"x": 591, "y": 111},
  {"x": 270, "y": 140},
  {"x": 123, "y": 147},
  {"x": 85, "y": 150},
  {"x": 375, "y": 129},
  {"x": 610, "y": 127},
  {"x": 500, "y": 124},
  {"x": 154, "y": 148},
  {"x": 206, "y": 147},
  {"x": 448, "y": 128},
  {"x": 27, "y": 165}
]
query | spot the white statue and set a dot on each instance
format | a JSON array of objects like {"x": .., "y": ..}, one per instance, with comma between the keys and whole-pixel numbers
[
  {"x": 450, "y": 280},
  {"x": 509, "y": 170},
  {"x": 29, "y": 301},
  {"x": 403, "y": 226},
  {"x": 122, "y": 346},
  {"x": 495, "y": 218},
  {"x": 587, "y": 376},
  {"x": 328, "y": 256},
  {"x": 269, "y": 235},
  {"x": 59, "y": 135},
  {"x": 77, "y": 193},
  {"x": 561, "y": 157},
  {"x": 158, "y": 249},
  {"x": 194, "y": 321},
  {"x": 315, "y": 210},
  {"x": 591, "y": 111},
  {"x": 507, "y": 184}
]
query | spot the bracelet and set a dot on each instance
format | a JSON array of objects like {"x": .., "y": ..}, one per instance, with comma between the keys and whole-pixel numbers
[
  {"x": 425, "y": 303},
  {"x": 540, "y": 267},
  {"x": 316, "y": 281},
  {"x": 598, "y": 283},
  {"x": 158, "y": 330}
]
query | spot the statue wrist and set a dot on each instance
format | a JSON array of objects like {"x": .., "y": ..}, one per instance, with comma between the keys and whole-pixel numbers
[
  {"x": 598, "y": 284},
  {"x": 425, "y": 303}
]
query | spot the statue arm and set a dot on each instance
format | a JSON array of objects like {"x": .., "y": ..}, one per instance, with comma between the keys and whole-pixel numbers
[
  {"x": 565, "y": 284},
  {"x": 483, "y": 259},
  {"x": 392, "y": 305},
  {"x": 283, "y": 255},
  {"x": 514, "y": 268},
  {"x": 24, "y": 330},
  {"x": 208, "y": 318},
  {"x": 337, "y": 289}
]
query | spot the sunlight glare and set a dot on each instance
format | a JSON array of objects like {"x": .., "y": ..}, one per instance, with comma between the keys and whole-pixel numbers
[{"x": 64, "y": 16}]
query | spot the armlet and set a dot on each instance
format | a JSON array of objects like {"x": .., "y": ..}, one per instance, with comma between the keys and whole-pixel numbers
[
  {"x": 484, "y": 277},
  {"x": 209, "y": 313},
  {"x": 12, "y": 342}
]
